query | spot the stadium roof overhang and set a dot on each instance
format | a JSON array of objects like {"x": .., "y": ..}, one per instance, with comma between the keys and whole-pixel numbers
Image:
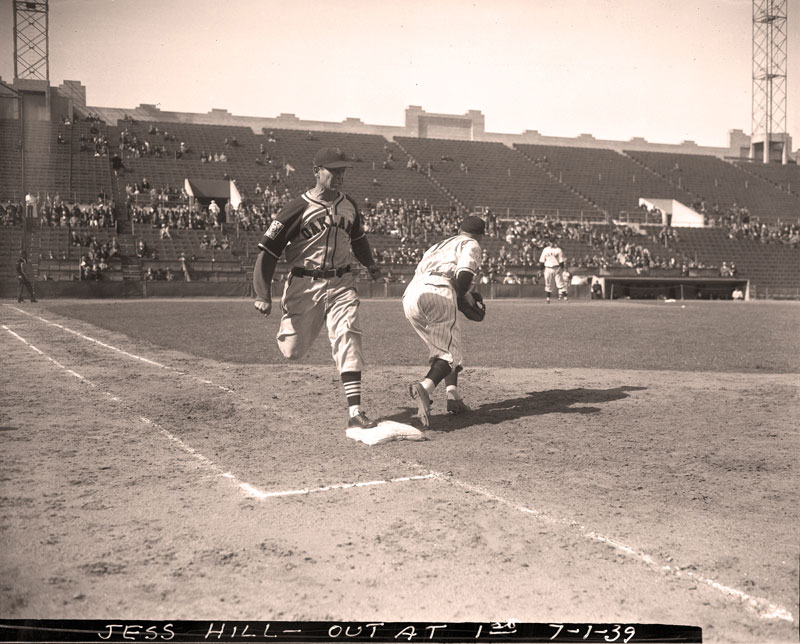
[{"x": 204, "y": 190}]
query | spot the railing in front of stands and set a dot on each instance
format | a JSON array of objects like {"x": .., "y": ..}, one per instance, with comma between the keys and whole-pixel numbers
[{"x": 554, "y": 214}]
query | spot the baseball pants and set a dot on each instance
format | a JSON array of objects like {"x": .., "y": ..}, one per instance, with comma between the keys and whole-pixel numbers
[
  {"x": 433, "y": 313},
  {"x": 24, "y": 283},
  {"x": 549, "y": 275},
  {"x": 307, "y": 305}
]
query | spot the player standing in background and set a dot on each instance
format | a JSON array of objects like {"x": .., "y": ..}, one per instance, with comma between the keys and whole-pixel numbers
[
  {"x": 22, "y": 277},
  {"x": 552, "y": 260},
  {"x": 445, "y": 273},
  {"x": 321, "y": 232}
]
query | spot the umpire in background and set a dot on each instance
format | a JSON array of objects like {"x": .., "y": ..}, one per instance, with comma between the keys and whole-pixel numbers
[{"x": 22, "y": 277}]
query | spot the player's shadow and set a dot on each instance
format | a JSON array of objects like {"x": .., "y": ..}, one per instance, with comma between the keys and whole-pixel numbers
[{"x": 534, "y": 403}]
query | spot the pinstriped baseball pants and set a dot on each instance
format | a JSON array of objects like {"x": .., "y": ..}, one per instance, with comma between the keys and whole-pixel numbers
[
  {"x": 549, "y": 275},
  {"x": 432, "y": 311}
]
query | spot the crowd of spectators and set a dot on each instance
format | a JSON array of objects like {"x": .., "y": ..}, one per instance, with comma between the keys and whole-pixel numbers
[
  {"x": 54, "y": 212},
  {"x": 131, "y": 146},
  {"x": 95, "y": 255},
  {"x": 142, "y": 191},
  {"x": 175, "y": 217},
  {"x": 159, "y": 274},
  {"x": 411, "y": 220},
  {"x": 740, "y": 224},
  {"x": 12, "y": 213},
  {"x": 215, "y": 157},
  {"x": 756, "y": 230},
  {"x": 96, "y": 141}
]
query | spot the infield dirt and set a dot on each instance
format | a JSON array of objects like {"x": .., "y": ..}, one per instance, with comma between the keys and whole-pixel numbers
[{"x": 571, "y": 493}]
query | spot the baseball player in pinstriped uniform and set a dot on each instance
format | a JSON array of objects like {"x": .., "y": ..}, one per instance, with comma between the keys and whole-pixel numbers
[
  {"x": 444, "y": 274},
  {"x": 321, "y": 232},
  {"x": 552, "y": 260}
]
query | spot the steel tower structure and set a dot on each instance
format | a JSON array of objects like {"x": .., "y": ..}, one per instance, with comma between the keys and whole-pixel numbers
[
  {"x": 769, "y": 79},
  {"x": 31, "y": 44}
]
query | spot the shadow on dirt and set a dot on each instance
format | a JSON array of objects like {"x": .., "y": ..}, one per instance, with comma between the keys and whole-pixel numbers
[{"x": 535, "y": 403}]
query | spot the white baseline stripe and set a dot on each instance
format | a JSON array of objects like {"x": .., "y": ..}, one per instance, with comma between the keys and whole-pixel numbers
[
  {"x": 763, "y": 607},
  {"x": 338, "y": 486},
  {"x": 250, "y": 490},
  {"x": 121, "y": 351}
]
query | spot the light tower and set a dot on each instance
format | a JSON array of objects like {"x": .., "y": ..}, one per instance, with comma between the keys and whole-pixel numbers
[
  {"x": 31, "y": 45},
  {"x": 768, "y": 135}
]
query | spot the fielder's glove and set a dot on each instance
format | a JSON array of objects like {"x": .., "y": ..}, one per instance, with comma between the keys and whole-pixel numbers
[{"x": 472, "y": 306}]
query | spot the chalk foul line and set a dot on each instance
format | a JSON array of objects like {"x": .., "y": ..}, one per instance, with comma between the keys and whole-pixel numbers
[
  {"x": 127, "y": 354},
  {"x": 764, "y": 608},
  {"x": 245, "y": 487}
]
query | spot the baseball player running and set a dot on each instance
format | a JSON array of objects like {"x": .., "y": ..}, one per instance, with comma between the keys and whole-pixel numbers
[
  {"x": 321, "y": 232},
  {"x": 444, "y": 274},
  {"x": 552, "y": 260}
]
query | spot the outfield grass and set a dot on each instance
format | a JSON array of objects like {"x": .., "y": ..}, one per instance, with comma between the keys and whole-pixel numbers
[{"x": 702, "y": 336}]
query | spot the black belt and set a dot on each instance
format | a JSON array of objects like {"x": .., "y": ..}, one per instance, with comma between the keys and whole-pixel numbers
[{"x": 299, "y": 271}]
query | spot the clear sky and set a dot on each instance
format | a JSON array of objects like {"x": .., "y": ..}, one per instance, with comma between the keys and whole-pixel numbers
[{"x": 667, "y": 70}]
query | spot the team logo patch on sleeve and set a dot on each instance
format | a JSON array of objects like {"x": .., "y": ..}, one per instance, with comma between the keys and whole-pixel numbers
[{"x": 274, "y": 229}]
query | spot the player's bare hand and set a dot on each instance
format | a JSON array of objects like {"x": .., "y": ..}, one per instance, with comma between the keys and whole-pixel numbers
[
  {"x": 263, "y": 306},
  {"x": 375, "y": 271}
]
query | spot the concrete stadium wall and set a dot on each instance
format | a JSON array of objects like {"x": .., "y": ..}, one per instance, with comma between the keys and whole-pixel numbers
[{"x": 134, "y": 289}]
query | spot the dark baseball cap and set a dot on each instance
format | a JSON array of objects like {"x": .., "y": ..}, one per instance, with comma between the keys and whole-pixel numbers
[
  {"x": 331, "y": 158},
  {"x": 473, "y": 225}
]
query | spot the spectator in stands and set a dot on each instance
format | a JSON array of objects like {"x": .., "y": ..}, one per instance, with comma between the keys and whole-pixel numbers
[
  {"x": 117, "y": 165},
  {"x": 510, "y": 278},
  {"x": 84, "y": 268},
  {"x": 141, "y": 248}
]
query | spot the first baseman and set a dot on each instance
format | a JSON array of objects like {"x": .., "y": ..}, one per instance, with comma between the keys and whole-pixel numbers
[
  {"x": 430, "y": 302},
  {"x": 552, "y": 260},
  {"x": 22, "y": 277},
  {"x": 321, "y": 233}
]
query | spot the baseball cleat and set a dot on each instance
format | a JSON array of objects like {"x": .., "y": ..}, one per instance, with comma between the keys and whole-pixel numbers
[
  {"x": 360, "y": 421},
  {"x": 418, "y": 393},
  {"x": 456, "y": 406}
]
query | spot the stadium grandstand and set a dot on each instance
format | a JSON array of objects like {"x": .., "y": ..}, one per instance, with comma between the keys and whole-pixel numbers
[{"x": 112, "y": 201}]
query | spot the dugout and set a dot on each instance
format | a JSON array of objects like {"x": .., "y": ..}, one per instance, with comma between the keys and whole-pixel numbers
[{"x": 672, "y": 288}]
